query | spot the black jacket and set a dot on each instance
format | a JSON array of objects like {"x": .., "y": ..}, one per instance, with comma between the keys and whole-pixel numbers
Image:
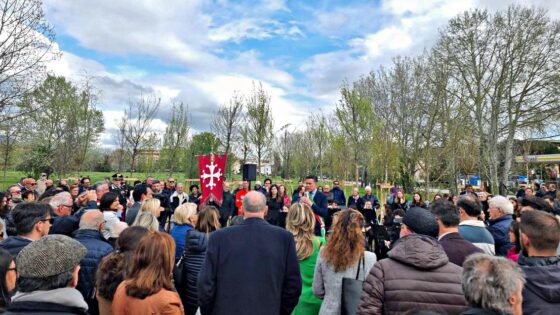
[
  {"x": 371, "y": 198},
  {"x": 274, "y": 208},
  {"x": 42, "y": 308},
  {"x": 457, "y": 248},
  {"x": 228, "y": 205},
  {"x": 243, "y": 274},
  {"x": 97, "y": 248},
  {"x": 65, "y": 225},
  {"x": 338, "y": 196},
  {"x": 357, "y": 204},
  {"x": 14, "y": 244},
  {"x": 195, "y": 251},
  {"x": 541, "y": 293}
]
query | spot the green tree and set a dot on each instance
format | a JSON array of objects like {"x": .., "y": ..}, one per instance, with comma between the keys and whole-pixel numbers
[
  {"x": 67, "y": 125},
  {"x": 201, "y": 143}
]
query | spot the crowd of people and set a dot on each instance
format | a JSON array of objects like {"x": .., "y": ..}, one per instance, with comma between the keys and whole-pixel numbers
[{"x": 154, "y": 248}]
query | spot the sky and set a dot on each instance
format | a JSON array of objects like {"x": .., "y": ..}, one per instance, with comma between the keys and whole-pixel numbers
[{"x": 202, "y": 52}]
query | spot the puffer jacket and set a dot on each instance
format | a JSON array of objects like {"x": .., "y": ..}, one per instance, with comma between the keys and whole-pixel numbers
[
  {"x": 195, "y": 251},
  {"x": 541, "y": 293},
  {"x": 97, "y": 248},
  {"x": 417, "y": 276}
]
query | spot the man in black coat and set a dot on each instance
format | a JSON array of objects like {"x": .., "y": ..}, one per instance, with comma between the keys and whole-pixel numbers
[
  {"x": 250, "y": 268},
  {"x": 540, "y": 236},
  {"x": 455, "y": 246},
  {"x": 228, "y": 205},
  {"x": 89, "y": 235}
]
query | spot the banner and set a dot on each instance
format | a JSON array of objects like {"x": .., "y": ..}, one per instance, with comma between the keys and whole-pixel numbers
[{"x": 211, "y": 168}]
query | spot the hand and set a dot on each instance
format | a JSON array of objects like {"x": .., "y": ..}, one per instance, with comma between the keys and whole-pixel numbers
[
  {"x": 388, "y": 244},
  {"x": 285, "y": 209},
  {"x": 306, "y": 200},
  {"x": 91, "y": 195}
]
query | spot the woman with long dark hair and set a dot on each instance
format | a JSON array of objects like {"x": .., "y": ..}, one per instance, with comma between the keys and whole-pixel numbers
[
  {"x": 113, "y": 268},
  {"x": 417, "y": 201},
  {"x": 8, "y": 275},
  {"x": 515, "y": 239},
  {"x": 148, "y": 288},
  {"x": 275, "y": 205},
  {"x": 339, "y": 259}
]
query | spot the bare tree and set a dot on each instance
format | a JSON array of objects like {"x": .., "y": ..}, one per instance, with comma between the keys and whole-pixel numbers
[
  {"x": 226, "y": 123},
  {"x": 139, "y": 117},
  {"x": 354, "y": 114},
  {"x": 507, "y": 63},
  {"x": 26, "y": 41},
  {"x": 121, "y": 141},
  {"x": 320, "y": 132},
  {"x": 176, "y": 137},
  {"x": 260, "y": 121}
]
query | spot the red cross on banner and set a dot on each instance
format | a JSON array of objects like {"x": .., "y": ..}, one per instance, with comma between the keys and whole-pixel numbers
[{"x": 211, "y": 168}]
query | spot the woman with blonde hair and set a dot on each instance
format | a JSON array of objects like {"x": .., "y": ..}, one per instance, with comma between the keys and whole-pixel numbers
[
  {"x": 148, "y": 288},
  {"x": 152, "y": 206},
  {"x": 207, "y": 222},
  {"x": 185, "y": 219},
  {"x": 345, "y": 250},
  {"x": 301, "y": 223},
  {"x": 147, "y": 220}
]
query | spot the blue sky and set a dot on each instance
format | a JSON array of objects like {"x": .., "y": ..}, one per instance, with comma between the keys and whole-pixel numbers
[{"x": 201, "y": 52}]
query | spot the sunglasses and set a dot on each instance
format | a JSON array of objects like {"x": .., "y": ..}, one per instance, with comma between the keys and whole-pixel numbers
[{"x": 51, "y": 220}]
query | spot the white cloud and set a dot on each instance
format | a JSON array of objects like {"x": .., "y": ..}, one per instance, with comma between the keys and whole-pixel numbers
[{"x": 191, "y": 35}]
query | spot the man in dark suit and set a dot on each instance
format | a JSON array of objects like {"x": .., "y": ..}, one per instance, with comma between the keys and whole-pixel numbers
[
  {"x": 316, "y": 200},
  {"x": 140, "y": 193},
  {"x": 455, "y": 246},
  {"x": 250, "y": 268}
]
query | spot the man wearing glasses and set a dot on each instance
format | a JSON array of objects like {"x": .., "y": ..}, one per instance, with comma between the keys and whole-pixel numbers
[
  {"x": 33, "y": 221},
  {"x": 64, "y": 222},
  {"x": 170, "y": 185},
  {"x": 30, "y": 185},
  {"x": 338, "y": 194}
]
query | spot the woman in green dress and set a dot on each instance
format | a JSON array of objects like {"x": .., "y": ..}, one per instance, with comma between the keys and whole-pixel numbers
[{"x": 301, "y": 223}]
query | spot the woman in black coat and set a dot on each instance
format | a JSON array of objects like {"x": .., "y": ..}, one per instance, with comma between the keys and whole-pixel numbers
[
  {"x": 195, "y": 251},
  {"x": 275, "y": 204},
  {"x": 399, "y": 202}
]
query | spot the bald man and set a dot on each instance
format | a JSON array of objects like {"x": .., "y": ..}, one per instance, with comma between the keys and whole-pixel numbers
[
  {"x": 246, "y": 262},
  {"x": 89, "y": 234}
]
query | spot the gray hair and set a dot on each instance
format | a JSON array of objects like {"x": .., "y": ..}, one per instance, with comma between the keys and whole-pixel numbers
[
  {"x": 91, "y": 220},
  {"x": 489, "y": 281},
  {"x": 61, "y": 199},
  {"x": 254, "y": 202},
  {"x": 502, "y": 203}
]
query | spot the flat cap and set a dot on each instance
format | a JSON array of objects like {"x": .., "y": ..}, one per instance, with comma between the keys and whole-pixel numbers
[
  {"x": 421, "y": 221},
  {"x": 49, "y": 256}
]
